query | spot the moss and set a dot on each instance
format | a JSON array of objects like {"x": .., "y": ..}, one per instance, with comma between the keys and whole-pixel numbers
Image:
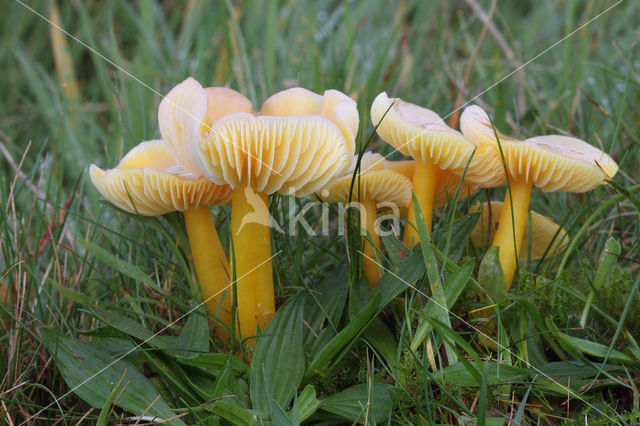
[{"x": 566, "y": 309}]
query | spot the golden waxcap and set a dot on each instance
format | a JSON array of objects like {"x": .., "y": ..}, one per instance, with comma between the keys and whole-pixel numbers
[
  {"x": 552, "y": 163},
  {"x": 187, "y": 112},
  {"x": 543, "y": 231},
  {"x": 377, "y": 185},
  {"x": 369, "y": 161},
  {"x": 148, "y": 181},
  {"x": 421, "y": 133},
  {"x": 334, "y": 105},
  {"x": 447, "y": 182},
  {"x": 292, "y": 154}
]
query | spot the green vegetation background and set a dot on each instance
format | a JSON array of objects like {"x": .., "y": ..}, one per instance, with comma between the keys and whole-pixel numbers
[{"x": 125, "y": 55}]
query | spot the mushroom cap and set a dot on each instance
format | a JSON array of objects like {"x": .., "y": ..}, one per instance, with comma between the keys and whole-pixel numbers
[
  {"x": 447, "y": 182},
  {"x": 292, "y": 154},
  {"x": 333, "y": 105},
  {"x": 186, "y": 113},
  {"x": 381, "y": 186},
  {"x": 543, "y": 231},
  {"x": 148, "y": 181},
  {"x": 369, "y": 162},
  {"x": 552, "y": 162},
  {"x": 421, "y": 133}
]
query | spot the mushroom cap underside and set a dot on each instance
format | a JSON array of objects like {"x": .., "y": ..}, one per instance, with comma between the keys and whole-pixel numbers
[
  {"x": 147, "y": 181},
  {"x": 382, "y": 186},
  {"x": 421, "y": 134},
  {"x": 289, "y": 154},
  {"x": 551, "y": 162}
]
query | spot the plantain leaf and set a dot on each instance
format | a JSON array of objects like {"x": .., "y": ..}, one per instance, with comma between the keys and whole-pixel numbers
[
  {"x": 120, "y": 265},
  {"x": 93, "y": 373},
  {"x": 325, "y": 302},
  {"x": 490, "y": 276},
  {"x": 594, "y": 349},
  {"x": 306, "y": 404},
  {"x": 194, "y": 337},
  {"x": 343, "y": 340},
  {"x": 455, "y": 236},
  {"x": 458, "y": 374},
  {"x": 360, "y": 402},
  {"x": 278, "y": 361}
]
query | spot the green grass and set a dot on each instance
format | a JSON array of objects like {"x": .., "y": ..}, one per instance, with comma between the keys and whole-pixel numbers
[{"x": 74, "y": 306}]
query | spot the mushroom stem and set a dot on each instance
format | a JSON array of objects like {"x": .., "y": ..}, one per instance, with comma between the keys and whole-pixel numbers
[
  {"x": 424, "y": 187},
  {"x": 367, "y": 224},
  {"x": 212, "y": 266},
  {"x": 252, "y": 258},
  {"x": 510, "y": 230}
]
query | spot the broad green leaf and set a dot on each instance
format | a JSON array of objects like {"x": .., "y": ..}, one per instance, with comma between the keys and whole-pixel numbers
[
  {"x": 92, "y": 373},
  {"x": 79, "y": 298},
  {"x": 306, "y": 404},
  {"x": 458, "y": 375},
  {"x": 383, "y": 341},
  {"x": 325, "y": 301},
  {"x": 377, "y": 333},
  {"x": 491, "y": 277},
  {"x": 343, "y": 340},
  {"x": 456, "y": 235},
  {"x": 120, "y": 265},
  {"x": 488, "y": 421},
  {"x": 194, "y": 337},
  {"x": 215, "y": 363},
  {"x": 394, "y": 248},
  {"x": 359, "y": 402},
  {"x": 573, "y": 369},
  {"x": 400, "y": 277},
  {"x": 233, "y": 413},
  {"x": 594, "y": 349},
  {"x": 173, "y": 375},
  {"x": 278, "y": 361},
  {"x": 131, "y": 328}
]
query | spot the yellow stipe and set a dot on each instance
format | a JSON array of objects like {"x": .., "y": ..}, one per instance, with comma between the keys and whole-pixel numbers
[
  {"x": 367, "y": 223},
  {"x": 509, "y": 224},
  {"x": 252, "y": 247},
  {"x": 212, "y": 266},
  {"x": 424, "y": 187}
]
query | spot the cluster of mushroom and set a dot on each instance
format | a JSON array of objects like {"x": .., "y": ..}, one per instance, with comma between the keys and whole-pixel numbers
[
  {"x": 485, "y": 157},
  {"x": 215, "y": 150}
]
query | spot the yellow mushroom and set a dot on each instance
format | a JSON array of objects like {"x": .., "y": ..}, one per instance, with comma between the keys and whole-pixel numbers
[
  {"x": 148, "y": 181},
  {"x": 420, "y": 133},
  {"x": 372, "y": 186},
  {"x": 447, "y": 182},
  {"x": 552, "y": 163},
  {"x": 547, "y": 237},
  {"x": 296, "y": 145}
]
